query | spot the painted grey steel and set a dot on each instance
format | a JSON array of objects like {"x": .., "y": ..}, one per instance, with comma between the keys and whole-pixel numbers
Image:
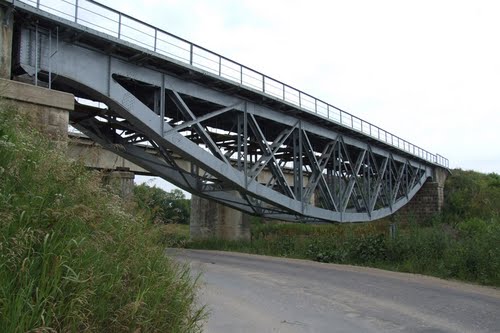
[
  {"x": 319, "y": 171},
  {"x": 211, "y": 63}
]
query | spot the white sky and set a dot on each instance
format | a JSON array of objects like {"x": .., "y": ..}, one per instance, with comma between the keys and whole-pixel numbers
[{"x": 427, "y": 71}]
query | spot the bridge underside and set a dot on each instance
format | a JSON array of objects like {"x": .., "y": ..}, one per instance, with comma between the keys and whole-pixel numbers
[{"x": 228, "y": 134}]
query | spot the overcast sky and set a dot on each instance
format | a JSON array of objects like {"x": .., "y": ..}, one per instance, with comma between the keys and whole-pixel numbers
[{"x": 427, "y": 71}]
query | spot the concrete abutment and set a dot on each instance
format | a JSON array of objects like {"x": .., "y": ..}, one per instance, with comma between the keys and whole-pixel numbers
[
  {"x": 429, "y": 200},
  {"x": 48, "y": 112}
]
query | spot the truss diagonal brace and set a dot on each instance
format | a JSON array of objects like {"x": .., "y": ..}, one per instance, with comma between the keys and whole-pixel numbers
[
  {"x": 352, "y": 181},
  {"x": 275, "y": 169},
  {"x": 179, "y": 102},
  {"x": 318, "y": 168},
  {"x": 414, "y": 178},
  {"x": 400, "y": 175},
  {"x": 264, "y": 160},
  {"x": 378, "y": 184},
  {"x": 199, "y": 120}
]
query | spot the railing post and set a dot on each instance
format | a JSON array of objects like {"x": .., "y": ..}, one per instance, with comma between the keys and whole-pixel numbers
[
  {"x": 119, "y": 25},
  {"x": 50, "y": 59},
  {"x": 36, "y": 55},
  {"x": 76, "y": 11},
  {"x": 38, "y": 4},
  {"x": 156, "y": 39},
  {"x": 300, "y": 100},
  {"x": 220, "y": 66},
  {"x": 284, "y": 96},
  {"x": 191, "y": 54},
  {"x": 315, "y": 105},
  {"x": 263, "y": 84}
]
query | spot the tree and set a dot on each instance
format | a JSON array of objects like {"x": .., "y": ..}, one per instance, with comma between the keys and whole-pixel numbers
[{"x": 164, "y": 207}]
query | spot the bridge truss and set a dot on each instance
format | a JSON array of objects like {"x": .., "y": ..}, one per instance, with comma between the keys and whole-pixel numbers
[{"x": 242, "y": 148}]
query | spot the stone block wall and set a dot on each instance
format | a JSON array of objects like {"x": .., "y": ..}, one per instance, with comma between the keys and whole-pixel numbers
[
  {"x": 428, "y": 201},
  {"x": 424, "y": 205}
]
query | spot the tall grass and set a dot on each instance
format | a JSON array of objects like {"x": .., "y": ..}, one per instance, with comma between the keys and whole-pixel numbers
[{"x": 72, "y": 258}]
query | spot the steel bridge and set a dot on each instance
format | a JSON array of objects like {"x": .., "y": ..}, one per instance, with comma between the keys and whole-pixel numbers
[{"x": 228, "y": 121}]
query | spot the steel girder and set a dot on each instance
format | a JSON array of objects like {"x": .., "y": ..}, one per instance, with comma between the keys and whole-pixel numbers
[{"x": 245, "y": 155}]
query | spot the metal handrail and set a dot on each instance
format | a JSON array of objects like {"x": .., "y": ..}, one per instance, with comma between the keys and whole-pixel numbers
[{"x": 197, "y": 56}]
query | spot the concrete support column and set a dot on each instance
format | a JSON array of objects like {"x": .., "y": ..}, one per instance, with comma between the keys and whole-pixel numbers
[
  {"x": 121, "y": 181},
  {"x": 210, "y": 219},
  {"x": 7, "y": 28}
]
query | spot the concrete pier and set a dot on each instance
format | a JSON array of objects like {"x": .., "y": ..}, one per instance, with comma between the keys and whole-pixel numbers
[
  {"x": 121, "y": 182},
  {"x": 212, "y": 220},
  {"x": 6, "y": 31}
]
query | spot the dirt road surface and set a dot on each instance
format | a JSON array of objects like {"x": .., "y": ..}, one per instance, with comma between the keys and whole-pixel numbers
[{"x": 249, "y": 293}]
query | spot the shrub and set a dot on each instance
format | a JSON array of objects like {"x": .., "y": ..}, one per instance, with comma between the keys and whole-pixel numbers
[
  {"x": 471, "y": 194},
  {"x": 368, "y": 249},
  {"x": 162, "y": 206}
]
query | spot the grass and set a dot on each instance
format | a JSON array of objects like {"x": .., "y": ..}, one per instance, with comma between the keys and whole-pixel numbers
[{"x": 72, "y": 257}]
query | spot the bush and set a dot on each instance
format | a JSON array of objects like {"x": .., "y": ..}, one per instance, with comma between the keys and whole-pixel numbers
[
  {"x": 470, "y": 194},
  {"x": 71, "y": 257},
  {"x": 476, "y": 255},
  {"x": 162, "y": 206},
  {"x": 368, "y": 249}
]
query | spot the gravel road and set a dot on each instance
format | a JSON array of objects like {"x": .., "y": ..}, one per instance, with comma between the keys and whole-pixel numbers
[{"x": 249, "y": 293}]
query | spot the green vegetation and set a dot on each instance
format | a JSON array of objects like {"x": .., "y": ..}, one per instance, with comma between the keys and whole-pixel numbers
[
  {"x": 163, "y": 207},
  {"x": 471, "y": 194},
  {"x": 72, "y": 258},
  {"x": 461, "y": 243}
]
